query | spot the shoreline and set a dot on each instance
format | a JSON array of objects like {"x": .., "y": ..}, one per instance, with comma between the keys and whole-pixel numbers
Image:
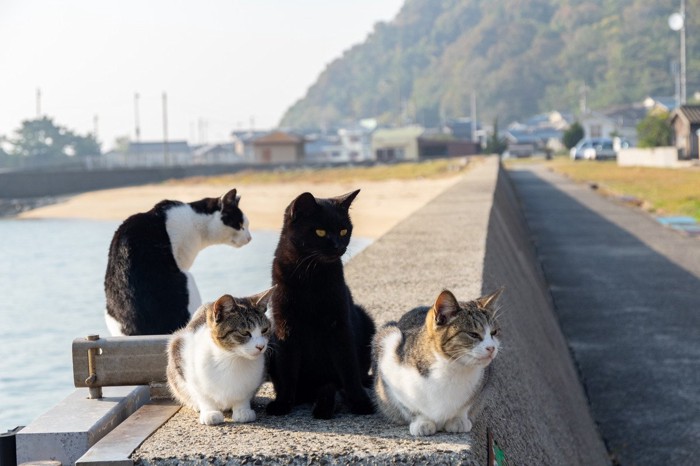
[{"x": 379, "y": 206}]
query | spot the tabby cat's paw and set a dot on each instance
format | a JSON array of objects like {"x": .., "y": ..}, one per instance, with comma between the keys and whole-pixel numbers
[
  {"x": 278, "y": 408},
  {"x": 243, "y": 415},
  {"x": 421, "y": 428},
  {"x": 458, "y": 424},
  {"x": 211, "y": 418}
]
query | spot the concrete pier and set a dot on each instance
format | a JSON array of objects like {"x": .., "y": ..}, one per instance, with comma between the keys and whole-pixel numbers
[{"x": 470, "y": 239}]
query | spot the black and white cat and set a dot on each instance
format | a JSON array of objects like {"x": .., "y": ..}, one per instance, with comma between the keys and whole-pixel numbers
[
  {"x": 322, "y": 341},
  {"x": 148, "y": 288}
]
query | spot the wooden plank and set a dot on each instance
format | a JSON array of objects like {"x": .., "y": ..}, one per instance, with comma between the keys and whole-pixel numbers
[
  {"x": 138, "y": 360},
  {"x": 116, "y": 447}
]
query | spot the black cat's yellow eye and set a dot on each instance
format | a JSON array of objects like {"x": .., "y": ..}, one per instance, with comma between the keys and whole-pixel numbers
[
  {"x": 320, "y": 233},
  {"x": 343, "y": 232}
]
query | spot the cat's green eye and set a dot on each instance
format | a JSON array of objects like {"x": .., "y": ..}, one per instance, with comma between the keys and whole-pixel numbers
[
  {"x": 343, "y": 232},
  {"x": 474, "y": 335},
  {"x": 246, "y": 334},
  {"x": 495, "y": 332},
  {"x": 265, "y": 330},
  {"x": 320, "y": 233}
]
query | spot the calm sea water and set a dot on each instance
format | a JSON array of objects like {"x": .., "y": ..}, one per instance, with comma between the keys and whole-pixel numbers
[{"x": 51, "y": 292}]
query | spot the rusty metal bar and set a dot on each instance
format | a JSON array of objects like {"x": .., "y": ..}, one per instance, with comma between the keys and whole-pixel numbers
[{"x": 115, "y": 361}]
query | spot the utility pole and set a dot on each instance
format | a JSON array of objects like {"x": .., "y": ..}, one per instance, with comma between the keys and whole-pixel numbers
[
  {"x": 38, "y": 103},
  {"x": 473, "y": 116},
  {"x": 166, "y": 149},
  {"x": 94, "y": 127},
  {"x": 683, "y": 55},
  {"x": 136, "y": 117}
]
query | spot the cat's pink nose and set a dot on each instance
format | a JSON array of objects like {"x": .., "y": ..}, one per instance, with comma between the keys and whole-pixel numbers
[
  {"x": 490, "y": 349},
  {"x": 260, "y": 347}
]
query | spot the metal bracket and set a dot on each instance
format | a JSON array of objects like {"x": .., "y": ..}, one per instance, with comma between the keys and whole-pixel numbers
[{"x": 95, "y": 391}]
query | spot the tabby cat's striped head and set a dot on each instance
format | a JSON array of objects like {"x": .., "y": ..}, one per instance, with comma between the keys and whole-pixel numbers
[
  {"x": 467, "y": 332},
  {"x": 239, "y": 324}
]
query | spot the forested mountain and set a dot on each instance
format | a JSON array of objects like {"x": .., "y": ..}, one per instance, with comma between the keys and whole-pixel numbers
[{"x": 519, "y": 57}]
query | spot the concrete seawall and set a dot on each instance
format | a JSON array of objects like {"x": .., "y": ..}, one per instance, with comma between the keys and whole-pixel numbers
[
  {"x": 39, "y": 183},
  {"x": 469, "y": 239}
]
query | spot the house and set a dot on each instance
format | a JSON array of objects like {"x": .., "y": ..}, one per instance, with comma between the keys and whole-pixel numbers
[
  {"x": 625, "y": 119},
  {"x": 215, "y": 154},
  {"x": 278, "y": 147},
  {"x": 321, "y": 148},
  {"x": 597, "y": 125},
  {"x": 357, "y": 143},
  {"x": 434, "y": 144},
  {"x": 685, "y": 121},
  {"x": 243, "y": 143},
  {"x": 151, "y": 154},
  {"x": 396, "y": 144},
  {"x": 539, "y": 133},
  {"x": 667, "y": 104}
]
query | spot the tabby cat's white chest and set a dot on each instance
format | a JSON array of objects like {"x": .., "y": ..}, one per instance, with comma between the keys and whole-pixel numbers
[
  {"x": 226, "y": 377},
  {"x": 442, "y": 393}
]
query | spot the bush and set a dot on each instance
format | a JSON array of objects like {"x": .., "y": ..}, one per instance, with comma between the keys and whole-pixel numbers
[
  {"x": 654, "y": 130},
  {"x": 572, "y": 135}
]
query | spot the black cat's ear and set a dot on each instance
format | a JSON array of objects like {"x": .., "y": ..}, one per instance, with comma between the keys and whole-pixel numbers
[
  {"x": 304, "y": 204},
  {"x": 222, "y": 305},
  {"x": 230, "y": 198},
  {"x": 445, "y": 308},
  {"x": 346, "y": 199},
  {"x": 261, "y": 299},
  {"x": 489, "y": 302}
]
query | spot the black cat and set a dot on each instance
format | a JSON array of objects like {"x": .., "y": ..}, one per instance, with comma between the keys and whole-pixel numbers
[
  {"x": 322, "y": 341},
  {"x": 148, "y": 288}
]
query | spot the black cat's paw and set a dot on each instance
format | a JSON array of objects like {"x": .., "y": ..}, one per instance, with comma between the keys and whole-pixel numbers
[
  {"x": 325, "y": 403},
  {"x": 323, "y": 411},
  {"x": 362, "y": 405},
  {"x": 278, "y": 408}
]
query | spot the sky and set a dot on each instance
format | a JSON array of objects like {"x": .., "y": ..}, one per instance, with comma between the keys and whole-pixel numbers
[{"x": 223, "y": 65}]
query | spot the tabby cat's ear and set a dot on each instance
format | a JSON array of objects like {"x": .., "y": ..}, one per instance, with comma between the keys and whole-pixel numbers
[
  {"x": 229, "y": 198},
  {"x": 488, "y": 303},
  {"x": 304, "y": 204},
  {"x": 445, "y": 308},
  {"x": 222, "y": 305},
  {"x": 346, "y": 199},
  {"x": 261, "y": 299}
]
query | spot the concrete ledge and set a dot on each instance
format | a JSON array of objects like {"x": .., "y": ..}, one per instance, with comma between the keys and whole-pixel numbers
[
  {"x": 470, "y": 239},
  {"x": 69, "y": 429},
  {"x": 116, "y": 447},
  {"x": 660, "y": 157}
]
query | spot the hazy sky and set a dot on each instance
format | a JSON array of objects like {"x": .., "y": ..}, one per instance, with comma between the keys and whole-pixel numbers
[{"x": 220, "y": 62}]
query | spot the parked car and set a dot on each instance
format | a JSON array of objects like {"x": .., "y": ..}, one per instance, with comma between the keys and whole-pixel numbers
[{"x": 593, "y": 149}]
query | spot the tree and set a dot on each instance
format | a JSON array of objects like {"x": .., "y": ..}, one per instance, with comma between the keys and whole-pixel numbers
[
  {"x": 654, "y": 130},
  {"x": 572, "y": 135},
  {"x": 495, "y": 143},
  {"x": 42, "y": 139}
]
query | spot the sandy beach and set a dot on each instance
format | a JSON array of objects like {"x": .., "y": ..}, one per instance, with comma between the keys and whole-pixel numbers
[{"x": 379, "y": 206}]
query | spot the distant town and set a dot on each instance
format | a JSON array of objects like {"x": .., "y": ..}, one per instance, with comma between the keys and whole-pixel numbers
[{"x": 367, "y": 141}]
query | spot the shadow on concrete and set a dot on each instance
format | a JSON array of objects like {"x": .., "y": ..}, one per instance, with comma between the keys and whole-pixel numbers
[{"x": 631, "y": 317}]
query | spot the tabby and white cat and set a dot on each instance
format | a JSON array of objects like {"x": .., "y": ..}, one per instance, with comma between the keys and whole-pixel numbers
[
  {"x": 217, "y": 362},
  {"x": 431, "y": 365},
  {"x": 148, "y": 288}
]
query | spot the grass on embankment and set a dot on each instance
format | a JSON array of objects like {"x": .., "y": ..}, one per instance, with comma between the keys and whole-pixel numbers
[
  {"x": 400, "y": 171},
  {"x": 663, "y": 191}
]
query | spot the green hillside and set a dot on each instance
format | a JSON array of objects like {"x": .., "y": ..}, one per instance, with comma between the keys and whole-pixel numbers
[{"x": 520, "y": 57}]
